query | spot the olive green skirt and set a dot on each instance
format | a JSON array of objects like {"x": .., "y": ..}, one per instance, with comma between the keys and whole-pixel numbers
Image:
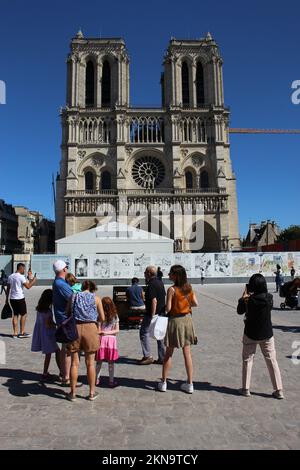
[{"x": 180, "y": 332}]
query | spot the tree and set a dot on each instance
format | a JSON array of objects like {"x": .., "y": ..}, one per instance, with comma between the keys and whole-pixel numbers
[{"x": 290, "y": 233}]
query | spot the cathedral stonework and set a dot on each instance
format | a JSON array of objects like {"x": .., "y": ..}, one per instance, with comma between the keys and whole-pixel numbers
[{"x": 173, "y": 157}]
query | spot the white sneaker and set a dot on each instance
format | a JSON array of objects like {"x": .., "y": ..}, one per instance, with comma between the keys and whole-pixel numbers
[
  {"x": 278, "y": 394},
  {"x": 186, "y": 387},
  {"x": 245, "y": 392},
  {"x": 162, "y": 386}
]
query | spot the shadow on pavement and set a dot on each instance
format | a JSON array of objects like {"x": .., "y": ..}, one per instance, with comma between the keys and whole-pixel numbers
[
  {"x": 207, "y": 386},
  {"x": 286, "y": 310},
  {"x": 130, "y": 382},
  {"x": 127, "y": 360},
  {"x": 18, "y": 388},
  {"x": 289, "y": 329}
]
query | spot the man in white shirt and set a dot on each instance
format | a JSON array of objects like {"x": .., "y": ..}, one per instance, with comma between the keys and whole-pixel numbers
[{"x": 15, "y": 284}]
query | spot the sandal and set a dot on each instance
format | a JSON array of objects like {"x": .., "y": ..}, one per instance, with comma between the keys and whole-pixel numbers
[
  {"x": 93, "y": 397},
  {"x": 65, "y": 383},
  {"x": 71, "y": 397}
]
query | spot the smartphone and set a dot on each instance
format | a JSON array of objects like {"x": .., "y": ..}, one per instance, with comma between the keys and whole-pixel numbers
[
  {"x": 34, "y": 274},
  {"x": 247, "y": 289}
]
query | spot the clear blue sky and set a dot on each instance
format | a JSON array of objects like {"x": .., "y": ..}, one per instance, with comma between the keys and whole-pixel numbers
[{"x": 260, "y": 45}]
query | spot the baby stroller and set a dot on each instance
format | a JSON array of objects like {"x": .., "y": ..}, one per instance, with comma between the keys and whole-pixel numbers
[{"x": 291, "y": 300}]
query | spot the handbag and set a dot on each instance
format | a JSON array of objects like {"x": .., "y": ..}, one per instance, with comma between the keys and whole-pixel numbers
[
  {"x": 6, "y": 312},
  {"x": 158, "y": 327},
  {"x": 67, "y": 331}
]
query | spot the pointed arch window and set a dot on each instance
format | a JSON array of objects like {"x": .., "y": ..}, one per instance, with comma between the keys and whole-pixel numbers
[
  {"x": 105, "y": 180},
  {"x": 185, "y": 84},
  {"x": 89, "y": 84},
  {"x": 200, "y": 84},
  {"x": 188, "y": 180},
  {"x": 89, "y": 181},
  {"x": 204, "y": 179},
  {"x": 106, "y": 84}
]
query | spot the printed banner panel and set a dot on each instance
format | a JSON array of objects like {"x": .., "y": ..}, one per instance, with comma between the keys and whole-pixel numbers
[
  {"x": 197, "y": 265},
  {"x": 42, "y": 265}
]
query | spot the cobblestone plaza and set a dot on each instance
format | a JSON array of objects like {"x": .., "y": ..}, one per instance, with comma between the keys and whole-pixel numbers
[{"x": 136, "y": 416}]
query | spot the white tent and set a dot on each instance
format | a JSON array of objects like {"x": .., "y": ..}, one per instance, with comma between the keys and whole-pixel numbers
[{"x": 114, "y": 237}]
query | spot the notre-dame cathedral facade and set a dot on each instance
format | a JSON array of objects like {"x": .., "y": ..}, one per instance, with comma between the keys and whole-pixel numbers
[{"x": 177, "y": 155}]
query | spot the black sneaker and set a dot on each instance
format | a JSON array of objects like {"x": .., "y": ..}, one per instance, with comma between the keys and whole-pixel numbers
[{"x": 24, "y": 335}]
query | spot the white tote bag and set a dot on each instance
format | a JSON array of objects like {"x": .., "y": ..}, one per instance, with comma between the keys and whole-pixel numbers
[{"x": 158, "y": 327}]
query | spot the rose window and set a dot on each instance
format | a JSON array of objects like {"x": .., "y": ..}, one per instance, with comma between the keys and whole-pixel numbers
[{"x": 148, "y": 172}]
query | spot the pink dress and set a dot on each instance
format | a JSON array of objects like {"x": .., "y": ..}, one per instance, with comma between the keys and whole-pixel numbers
[{"x": 108, "y": 350}]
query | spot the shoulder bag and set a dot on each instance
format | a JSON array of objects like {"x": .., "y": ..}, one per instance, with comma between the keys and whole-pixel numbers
[{"x": 67, "y": 331}]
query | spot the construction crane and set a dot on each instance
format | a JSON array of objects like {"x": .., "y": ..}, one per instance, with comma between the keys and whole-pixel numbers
[{"x": 237, "y": 130}]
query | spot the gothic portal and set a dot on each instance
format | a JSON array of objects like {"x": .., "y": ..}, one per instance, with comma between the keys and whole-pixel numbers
[{"x": 163, "y": 162}]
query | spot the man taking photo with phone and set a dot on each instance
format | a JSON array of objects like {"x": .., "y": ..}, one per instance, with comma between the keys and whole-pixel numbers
[{"x": 15, "y": 284}]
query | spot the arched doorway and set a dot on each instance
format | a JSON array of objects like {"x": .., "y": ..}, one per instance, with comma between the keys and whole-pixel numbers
[{"x": 202, "y": 237}]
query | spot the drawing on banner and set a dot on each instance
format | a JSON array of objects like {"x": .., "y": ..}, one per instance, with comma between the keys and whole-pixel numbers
[
  {"x": 101, "y": 267},
  {"x": 164, "y": 262},
  {"x": 285, "y": 264},
  {"x": 293, "y": 261},
  {"x": 245, "y": 264},
  {"x": 203, "y": 265},
  {"x": 81, "y": 267},
  {"x": 185, "y": 260},
  {"x": 269, "y": 262},
  {"x": 123, "y": 265},
  {"x": 223, "y": 264},
  {"x": 141, "y": 261}
]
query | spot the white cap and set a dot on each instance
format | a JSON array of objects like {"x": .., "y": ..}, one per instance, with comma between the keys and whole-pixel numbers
[{"x": 59, "y": 265}]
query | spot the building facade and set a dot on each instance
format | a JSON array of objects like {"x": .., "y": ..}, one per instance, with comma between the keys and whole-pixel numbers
[
  {"x": 8, "y": 229},
  {"x": 163, "y": 165},
  {"x": 261, "y": 235},
  {"x": 36, "y": 234}
]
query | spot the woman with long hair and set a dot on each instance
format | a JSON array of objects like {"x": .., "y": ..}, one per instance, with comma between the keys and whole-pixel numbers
[
  {"x": 180, "y": 331},
  {"x": 257, "y": 304}
]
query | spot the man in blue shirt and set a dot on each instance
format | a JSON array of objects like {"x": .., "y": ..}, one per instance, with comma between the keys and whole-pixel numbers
[
  {"x": 135, "y": 295},
  {"x": 61, "y": 294}
]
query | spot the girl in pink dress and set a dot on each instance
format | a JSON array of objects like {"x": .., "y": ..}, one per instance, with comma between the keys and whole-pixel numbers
[{"x": 108, "y": 350}]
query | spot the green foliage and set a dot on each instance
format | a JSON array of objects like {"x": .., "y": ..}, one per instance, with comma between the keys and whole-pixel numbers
[{"x": 290, "y": 233}]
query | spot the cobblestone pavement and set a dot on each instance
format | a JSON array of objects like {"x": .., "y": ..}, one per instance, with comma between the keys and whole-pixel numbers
[{"x": 135, "y": 415}]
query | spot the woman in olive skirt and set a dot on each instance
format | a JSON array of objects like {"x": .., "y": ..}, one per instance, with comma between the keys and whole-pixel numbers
[{"x": 180, "y": 331}]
